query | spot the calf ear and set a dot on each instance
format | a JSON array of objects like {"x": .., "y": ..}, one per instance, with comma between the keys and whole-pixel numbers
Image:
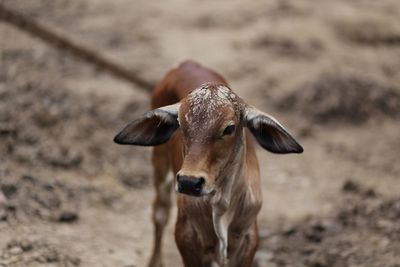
[
  {"x": 269, "y": 133},
  {"x": 155, "y": 127}
]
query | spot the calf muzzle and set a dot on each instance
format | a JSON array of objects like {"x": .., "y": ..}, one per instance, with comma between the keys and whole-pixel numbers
[{"x": 190, "y": 185}]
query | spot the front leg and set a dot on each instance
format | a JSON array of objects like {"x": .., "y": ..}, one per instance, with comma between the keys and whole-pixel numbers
[
  {"x": 243, "y": 251},
  {"x": 188, "y": 243}
]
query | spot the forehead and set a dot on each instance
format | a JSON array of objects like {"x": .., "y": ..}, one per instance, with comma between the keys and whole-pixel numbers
[{"x": 210, "y": 104}]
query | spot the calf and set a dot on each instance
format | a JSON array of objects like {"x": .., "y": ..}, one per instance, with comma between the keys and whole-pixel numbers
[{"x": 202, "y": 131}]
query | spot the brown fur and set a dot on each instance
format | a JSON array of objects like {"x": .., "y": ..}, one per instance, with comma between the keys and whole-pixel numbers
[{"x": 195, "y": 235}]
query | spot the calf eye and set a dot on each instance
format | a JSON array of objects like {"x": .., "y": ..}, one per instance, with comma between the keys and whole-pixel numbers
[{"x": 229, "y": 130}]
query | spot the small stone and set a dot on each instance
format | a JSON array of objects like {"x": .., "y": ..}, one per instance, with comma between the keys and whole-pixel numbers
[
  {"x": 350, "y": 187},
  {"x": 68, "y": 217},
  {"x": 51, "y": 256},
  {"x": 26, "y": 245},
  {"x": 385, "y": 224},
  {"x": 289, "y": 230},
  {"x": 370, "y": 193},
  {"x": 3, "y": 214},
  {"x": 15, "y": 250},
  {"x": 3, "y": 207},
  {"x": 7, "y": 191}
]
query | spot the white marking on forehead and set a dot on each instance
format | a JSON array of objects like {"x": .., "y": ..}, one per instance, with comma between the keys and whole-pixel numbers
[
  {"x": 223, "y": 89},
  {"x": 204, "y": 106},
  {"x": 221, "y": 94},
  {"x": 209, "y": 98}
]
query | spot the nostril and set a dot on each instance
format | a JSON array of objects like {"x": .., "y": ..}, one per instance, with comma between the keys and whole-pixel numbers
[{"x": 199, "y": 184}]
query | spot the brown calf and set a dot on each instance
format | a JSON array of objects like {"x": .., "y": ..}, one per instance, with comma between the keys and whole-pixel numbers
[{"x": 202, "y": 131}]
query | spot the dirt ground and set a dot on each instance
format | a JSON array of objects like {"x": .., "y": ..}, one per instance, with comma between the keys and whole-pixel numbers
[{"x": 328, "y": 70}]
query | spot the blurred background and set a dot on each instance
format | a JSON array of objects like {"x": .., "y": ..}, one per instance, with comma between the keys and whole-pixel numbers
[{"x": 328, "y": 70}]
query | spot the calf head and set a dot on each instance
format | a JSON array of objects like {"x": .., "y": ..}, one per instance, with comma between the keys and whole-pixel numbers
[{"x": 212, "y": 120}]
